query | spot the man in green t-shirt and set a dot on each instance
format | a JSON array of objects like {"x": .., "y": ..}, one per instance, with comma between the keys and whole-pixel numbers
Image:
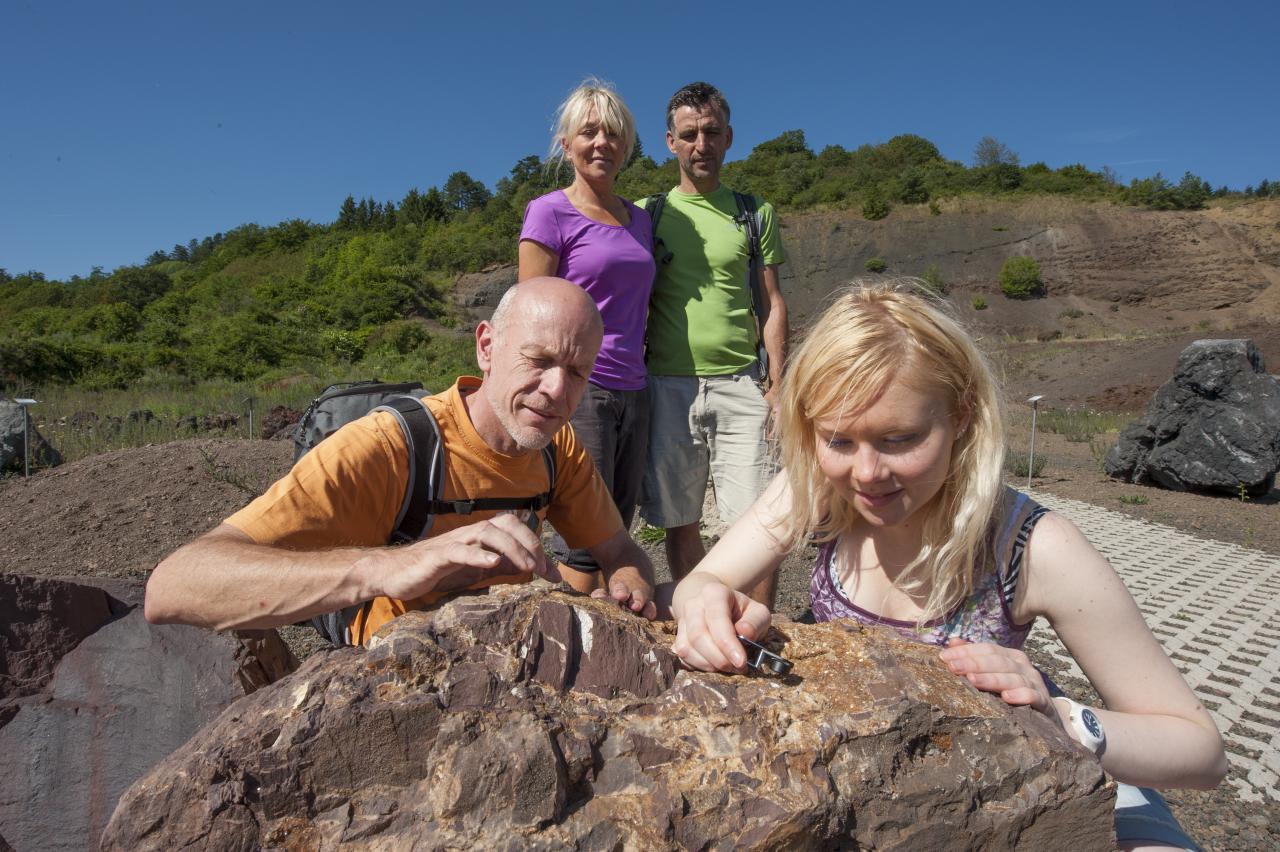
[{"x": 710, "y": 413}]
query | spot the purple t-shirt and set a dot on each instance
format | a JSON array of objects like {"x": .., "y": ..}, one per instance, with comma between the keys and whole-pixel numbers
[{"x": 614, "y": 264}]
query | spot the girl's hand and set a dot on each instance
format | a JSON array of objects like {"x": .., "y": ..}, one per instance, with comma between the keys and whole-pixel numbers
[
  {"x": 710, "y": 623},
  {"x": 1004, "y": 671}
]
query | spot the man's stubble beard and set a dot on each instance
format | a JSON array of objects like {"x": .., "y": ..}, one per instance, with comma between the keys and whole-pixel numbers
[{"x": 526, "y": 438}]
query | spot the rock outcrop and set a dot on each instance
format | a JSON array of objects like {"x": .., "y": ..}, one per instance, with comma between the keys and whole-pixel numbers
[
  {"x": 91, "y": 696},
  {"x": 15, "y": 440},
  {"x": 528, "y": 719},
  {"x": 1214, "y": 426}
]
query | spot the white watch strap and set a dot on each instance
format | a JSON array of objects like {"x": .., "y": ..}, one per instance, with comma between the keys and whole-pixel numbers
[{"x": 1084, "y": 725}]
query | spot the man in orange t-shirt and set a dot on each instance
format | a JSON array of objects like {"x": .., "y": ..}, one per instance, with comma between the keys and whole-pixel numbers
[{"x": 315, "y": 541}]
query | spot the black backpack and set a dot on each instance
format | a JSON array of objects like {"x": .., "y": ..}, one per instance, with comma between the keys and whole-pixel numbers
[
  {"x": 340, "y": 404},
  {"x": 748, "y": 217}
]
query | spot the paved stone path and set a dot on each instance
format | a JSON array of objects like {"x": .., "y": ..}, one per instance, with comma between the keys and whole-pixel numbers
[{"x": 1216, "y": 609}]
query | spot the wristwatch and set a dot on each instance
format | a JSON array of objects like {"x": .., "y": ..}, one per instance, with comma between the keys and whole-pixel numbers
[{"x": 1085, "y": 724}]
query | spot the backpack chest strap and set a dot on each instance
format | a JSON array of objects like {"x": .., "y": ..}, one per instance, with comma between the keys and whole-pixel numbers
[{"x": 489, "y": 504}]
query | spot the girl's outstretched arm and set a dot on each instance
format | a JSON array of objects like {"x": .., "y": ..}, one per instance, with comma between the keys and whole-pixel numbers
[
  {"x": 708, "y": 604},
  {"x": 1158, "y": 734}
]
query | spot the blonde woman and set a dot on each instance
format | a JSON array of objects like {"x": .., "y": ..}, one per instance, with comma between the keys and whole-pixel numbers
[
  {"x": 891, "y": 439},
  {"x": 589, "y": 235}
]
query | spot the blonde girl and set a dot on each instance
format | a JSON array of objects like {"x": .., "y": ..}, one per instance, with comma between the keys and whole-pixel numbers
[{"x": 891, "y": 438}]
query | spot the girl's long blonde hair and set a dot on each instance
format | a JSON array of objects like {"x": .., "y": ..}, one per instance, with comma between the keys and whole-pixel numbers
[{"x": 872, "y": 334}]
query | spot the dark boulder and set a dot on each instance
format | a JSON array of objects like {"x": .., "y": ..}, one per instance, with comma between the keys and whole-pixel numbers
[
  {"x": 1214, "y": 426},
  {"x": 528, "y": 719},
  {"x": 91, "y": 697},
  {"x": 280, "y": 423},
  {"x": 14, "y": 441}
]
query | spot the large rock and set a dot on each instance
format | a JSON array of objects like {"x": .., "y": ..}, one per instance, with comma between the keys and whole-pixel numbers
[
  {"x": 1214, "y": 426},
  {"x": 527, "y": 719},
  {"x": 14, "y": 440},
  {"x": 91, "y": 697}
]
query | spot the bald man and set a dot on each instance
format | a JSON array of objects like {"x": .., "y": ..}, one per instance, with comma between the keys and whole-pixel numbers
[{"x": 314, "y": 543}]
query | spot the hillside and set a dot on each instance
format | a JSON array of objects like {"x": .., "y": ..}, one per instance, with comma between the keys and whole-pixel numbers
[{"x": 1127, "y": 288}]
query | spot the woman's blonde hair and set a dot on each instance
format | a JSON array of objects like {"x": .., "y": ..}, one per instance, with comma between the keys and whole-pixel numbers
[
  {"x": 611, "y": 112},
  {"x": 871, "y": 335}
]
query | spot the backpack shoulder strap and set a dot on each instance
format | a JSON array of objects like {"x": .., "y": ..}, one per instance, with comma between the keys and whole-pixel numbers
[
  {"x": 549, "y": 458},
  {"x": 426, "y": 468},
  {"x": 654, "y": 205},
  {"x": 749, "y": 217}
]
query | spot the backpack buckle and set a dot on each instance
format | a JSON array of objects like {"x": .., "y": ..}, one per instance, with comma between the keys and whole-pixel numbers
[{"x": 464, "y": 507}]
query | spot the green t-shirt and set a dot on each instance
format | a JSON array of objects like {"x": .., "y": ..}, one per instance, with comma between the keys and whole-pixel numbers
[{"x": 700, "y": 321}]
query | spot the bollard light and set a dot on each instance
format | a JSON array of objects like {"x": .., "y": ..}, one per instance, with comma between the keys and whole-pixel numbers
[
  {"x": 248, "y": 400},
  {"x": 26, "y": 435},
  {"x": 1031, "y": 455}
]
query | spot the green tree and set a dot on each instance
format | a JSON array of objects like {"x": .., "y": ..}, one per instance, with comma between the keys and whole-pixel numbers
[
  {"x": 874, "y": 206},
  {"x": 992, "y": 152},
  {"x": 463, "y": 193},
  {"x": 1191, "y": 192},
  {"x": 1020, "y": 278},
  {"x": 348, "y": 215},
  {"x": 137, "y": 286}
]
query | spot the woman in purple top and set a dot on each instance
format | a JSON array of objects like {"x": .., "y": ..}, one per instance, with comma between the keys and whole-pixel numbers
[
  {"x": 589, "y": 235},
  {"x": 892, "y": 441}
]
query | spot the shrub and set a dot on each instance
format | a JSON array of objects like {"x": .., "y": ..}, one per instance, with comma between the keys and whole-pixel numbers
[
  {"x": 932, "y": 279},
  {"x": 1020, "y": 278},
  {"x": 934, "y": 209},
  {"x": 875, "y": 264},
  {"x": 979, "y": 303},
  {"x": 875, "y": 207},
  {"x": 1017, "y": 464}
]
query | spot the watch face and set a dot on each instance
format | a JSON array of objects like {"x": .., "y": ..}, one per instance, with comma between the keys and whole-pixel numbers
[{"x": 1091, "y": 723}]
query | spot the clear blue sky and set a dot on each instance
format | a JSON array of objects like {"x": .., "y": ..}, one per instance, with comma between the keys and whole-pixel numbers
[{"x": 130, "y": 126}]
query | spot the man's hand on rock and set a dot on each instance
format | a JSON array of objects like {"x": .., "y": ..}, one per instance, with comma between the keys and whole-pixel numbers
[
  {"x": 498, "y": 547},
  {"x": 631, "y": 590}
]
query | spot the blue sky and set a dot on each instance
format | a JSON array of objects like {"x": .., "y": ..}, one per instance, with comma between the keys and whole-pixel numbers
[{"x": 131, "y": 126}]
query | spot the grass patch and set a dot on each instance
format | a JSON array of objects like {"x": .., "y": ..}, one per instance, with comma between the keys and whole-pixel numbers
[
  {"x": 1134, "y": 499},
  {"x": 651, "y": 535},
  {"x": 1079, "y": 425},
  {"x": 1099, "y": 449},
  {"x": 80, "y": 422}
]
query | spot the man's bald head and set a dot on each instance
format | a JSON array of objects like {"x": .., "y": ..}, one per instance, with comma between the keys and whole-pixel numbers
[{"x": 548, "y": 297}]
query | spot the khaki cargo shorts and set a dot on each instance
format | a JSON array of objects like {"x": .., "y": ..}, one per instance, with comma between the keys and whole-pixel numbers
[{"x": 705, "y": 425}]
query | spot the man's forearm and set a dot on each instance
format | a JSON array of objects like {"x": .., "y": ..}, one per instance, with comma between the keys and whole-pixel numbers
[
  {"x": 224, "y": 580},
  {"x": 775, "y": 329},
  {"x": 776, "y": 334}
]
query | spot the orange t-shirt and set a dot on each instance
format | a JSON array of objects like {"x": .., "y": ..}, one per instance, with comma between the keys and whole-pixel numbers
[{"x": 348, "y": 490}]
